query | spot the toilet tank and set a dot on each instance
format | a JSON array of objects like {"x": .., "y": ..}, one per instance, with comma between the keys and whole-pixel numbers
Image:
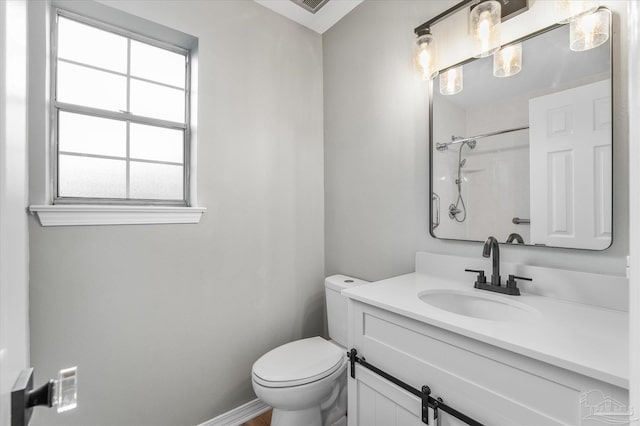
[{"x": 337, "y": 310}]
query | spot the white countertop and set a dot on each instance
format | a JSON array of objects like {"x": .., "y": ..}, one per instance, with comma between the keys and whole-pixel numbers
[{"x": 585, "y": 339}]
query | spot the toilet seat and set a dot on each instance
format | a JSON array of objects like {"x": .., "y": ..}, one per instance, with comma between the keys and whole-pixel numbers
[{"x": 298, "y": 363}]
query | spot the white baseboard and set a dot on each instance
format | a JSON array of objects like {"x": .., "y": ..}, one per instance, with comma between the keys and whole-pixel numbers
[{"x": 239, "y": 415}]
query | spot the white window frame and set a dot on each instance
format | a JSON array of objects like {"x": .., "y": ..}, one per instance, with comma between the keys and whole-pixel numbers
[
  {"x": 125, "y": 116},
  {"x": 65, "y": 211}
]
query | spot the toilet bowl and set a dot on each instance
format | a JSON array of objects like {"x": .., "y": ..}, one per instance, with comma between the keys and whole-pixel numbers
[
  {"x": 314, "y": 379},
  {"x": 305, "y": 381}
]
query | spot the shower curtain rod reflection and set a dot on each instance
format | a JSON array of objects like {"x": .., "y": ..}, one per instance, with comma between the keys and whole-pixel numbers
[{"x": 445, "y": 145}]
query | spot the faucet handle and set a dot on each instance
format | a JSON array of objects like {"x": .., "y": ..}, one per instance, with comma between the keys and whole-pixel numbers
[
  {"x": 482, "y": 279},
  {"x": 511, "y": 282}
]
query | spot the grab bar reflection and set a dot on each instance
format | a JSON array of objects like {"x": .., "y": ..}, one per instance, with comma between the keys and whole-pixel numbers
[{"x": 435, "y": 197}]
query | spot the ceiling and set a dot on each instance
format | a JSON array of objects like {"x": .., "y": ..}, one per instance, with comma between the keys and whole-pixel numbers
[{"x": 319, "y": 22}]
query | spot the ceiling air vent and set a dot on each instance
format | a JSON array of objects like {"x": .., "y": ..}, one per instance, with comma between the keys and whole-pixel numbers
[{"x": 311, "y": 5}]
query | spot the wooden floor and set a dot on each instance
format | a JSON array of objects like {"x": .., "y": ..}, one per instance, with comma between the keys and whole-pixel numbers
[{"x": 263, "y": 419}]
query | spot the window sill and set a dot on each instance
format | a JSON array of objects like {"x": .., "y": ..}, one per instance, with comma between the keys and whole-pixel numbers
[{"x": 78, "y": 215}]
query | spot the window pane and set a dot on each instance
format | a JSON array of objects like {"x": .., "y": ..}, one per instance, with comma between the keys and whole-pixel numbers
[
  {"x": 82, "y": 43},
  {"x": 156, "y": 181},
  {"x": 157, "y": 64},
  {"x": 156, "y": 143},
  {"x": 152, "y": 100},
  {"x": 91, "y": 177},
  {"x": 85, "y": 86},
  {"x": 92, "y": 135}
]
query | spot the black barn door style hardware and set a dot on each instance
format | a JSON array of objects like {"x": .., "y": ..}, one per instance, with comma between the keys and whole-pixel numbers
[{"x": 424, "y": 394}]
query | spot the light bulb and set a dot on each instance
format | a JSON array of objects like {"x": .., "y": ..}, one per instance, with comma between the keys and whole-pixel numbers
[
  {"x": 484, "y": 21},
  {"x": 451, "y": 81},
  {"x": 567, "y": 10},
  {"x": 484, "y": 30},
  {"x": 425, "y": 57},
  {"x": 508, "y": 61},
  {"x": 589, "y": 30}
]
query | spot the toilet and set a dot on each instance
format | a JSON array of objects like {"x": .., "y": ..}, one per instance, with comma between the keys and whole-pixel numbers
[{"x": 305, "y": 381}]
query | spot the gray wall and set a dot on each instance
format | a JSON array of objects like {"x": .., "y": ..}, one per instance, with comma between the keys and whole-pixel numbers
[
  {"x": 165, "y": 321},
  {"x": 376, "y": 150}
]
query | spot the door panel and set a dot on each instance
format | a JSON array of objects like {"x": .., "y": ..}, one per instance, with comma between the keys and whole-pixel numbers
[
  {"x": 376, "y": 402},
  {"x": 13, "y": 200},
  {"x": 570, "y": 148},
  {"x": 560, "y": 178}
]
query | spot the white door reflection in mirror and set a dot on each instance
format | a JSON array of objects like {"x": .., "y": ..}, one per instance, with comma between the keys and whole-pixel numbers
[{"x": 571, "y": 167}]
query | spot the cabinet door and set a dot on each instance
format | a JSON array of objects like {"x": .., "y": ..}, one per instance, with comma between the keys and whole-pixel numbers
[{"x": 373, "y": 401}]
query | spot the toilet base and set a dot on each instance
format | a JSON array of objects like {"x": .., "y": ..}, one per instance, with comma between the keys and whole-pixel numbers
[{"x": 309, "y": 417}]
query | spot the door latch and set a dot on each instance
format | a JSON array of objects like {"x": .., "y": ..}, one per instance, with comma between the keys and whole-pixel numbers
[{"x": 61, "y": 393}]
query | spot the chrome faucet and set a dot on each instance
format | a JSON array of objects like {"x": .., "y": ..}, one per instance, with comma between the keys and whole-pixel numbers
[{"x": 491, "y": 245}]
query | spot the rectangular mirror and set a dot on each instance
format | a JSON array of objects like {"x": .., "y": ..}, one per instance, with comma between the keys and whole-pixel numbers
[{"x": 525, "y": 158}]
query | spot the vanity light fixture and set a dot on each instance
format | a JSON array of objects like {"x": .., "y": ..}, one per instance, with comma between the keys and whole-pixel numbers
[
  {"x": 426, "y": 55},
  {"x": 567, "y": 10},
  {"x": 484, "y": 22},
  {"x": 589, "y": 26},
  {"x": 451, "y": 81},
  {"x": 589, "y": 30},
  {"x": 486, "y": 16},
  {"x": 508, "y": 61}
]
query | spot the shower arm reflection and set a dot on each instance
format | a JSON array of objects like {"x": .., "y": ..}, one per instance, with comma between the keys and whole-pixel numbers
[{"x": 458, "y": 140}]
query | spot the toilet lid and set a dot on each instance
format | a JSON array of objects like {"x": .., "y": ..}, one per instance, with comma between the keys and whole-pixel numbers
[{"x": 300, "y": 362}]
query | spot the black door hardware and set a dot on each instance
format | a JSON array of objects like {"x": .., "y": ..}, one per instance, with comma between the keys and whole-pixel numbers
[
  {"x": 60, "y": 393},
  {"x": 24, "y": 397},
  {"x": 424, "y": 393}
]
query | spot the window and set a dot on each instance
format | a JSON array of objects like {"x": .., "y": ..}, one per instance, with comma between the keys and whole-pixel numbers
[{"x": 120, "y": 116}]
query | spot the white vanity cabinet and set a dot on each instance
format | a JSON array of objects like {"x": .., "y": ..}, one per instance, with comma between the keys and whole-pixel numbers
[{"x": 491, "y": 384}]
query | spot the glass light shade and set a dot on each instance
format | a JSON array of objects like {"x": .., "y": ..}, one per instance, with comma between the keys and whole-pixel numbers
[
  {"x": 567, "y": 10},
  {"x": 451, "y": 81},
  {"x": 484, "y": 24},
  {"x": 425, "y": 57},
  {"x": 507, "y": 61},
  {"x": 589, "y": 30},
  {"x": 66, "y": 390}
]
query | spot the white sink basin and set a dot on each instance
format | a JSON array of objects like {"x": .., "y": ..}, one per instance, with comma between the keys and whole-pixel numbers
[{"x": 478, "y": 305}]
